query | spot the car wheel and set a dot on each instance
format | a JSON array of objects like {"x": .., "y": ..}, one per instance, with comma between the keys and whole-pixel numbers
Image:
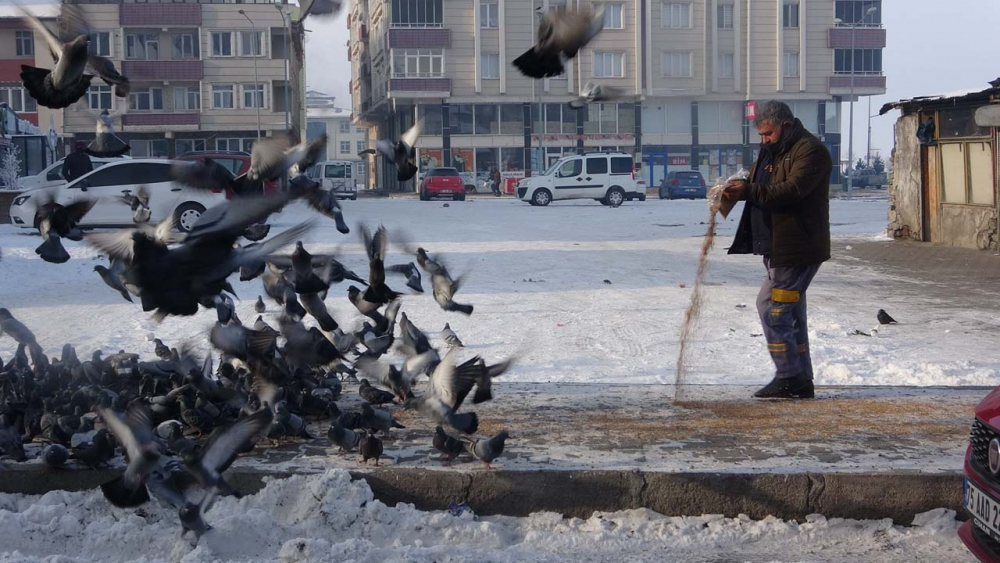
[
  {"x": 459, "y": 197},
  {"x": 354, "y": 198},
  {"x": 642, "y": 197},
  {"x": 542, "y": 197},
  {"x": 470, "y": 189},
  {"x": 423, "y": 196},
  {"x": 615, "y": 197},
  {"x": 186, "y": 216}
]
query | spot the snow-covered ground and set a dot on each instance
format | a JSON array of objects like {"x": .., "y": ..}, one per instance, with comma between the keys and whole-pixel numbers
[
  {"x": 538, "y": 278},
  {"x": 329, "y": 518}
]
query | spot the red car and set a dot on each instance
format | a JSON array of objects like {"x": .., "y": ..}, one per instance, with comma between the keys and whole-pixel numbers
[
  {"x": 981, "y": 533},
  {"x": 442, "y": 182},
  {"x": 236, "y": 162}
]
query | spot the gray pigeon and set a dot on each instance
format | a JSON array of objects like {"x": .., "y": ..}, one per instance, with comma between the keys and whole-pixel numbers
[
  {"x": 412, "y": 274},
  {"x": 448, "y": 389},
  {"x": 561, "y": 35},
  {"x": 114, "y": 281},
  {"x": 402, "y": 152},
  {"x": 450, "y": 338},
  {"x": 55, "y": 455},
  {"x": 487, "y": 450},
  {"x": 345, "y": 438},
  {"x": 259, "y": 307},
  {"x": 443, "y": 285},
  {"x": 135, "y": 434},
  {"x": 371, "y": 448},
  {"x": 593, "y": 93}
]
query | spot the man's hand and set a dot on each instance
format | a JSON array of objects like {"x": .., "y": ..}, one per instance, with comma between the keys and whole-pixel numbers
[{"x": 735, "y": 190}]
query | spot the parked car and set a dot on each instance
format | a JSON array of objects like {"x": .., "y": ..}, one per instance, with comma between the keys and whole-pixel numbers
[
  {"x": 607, "y": 177},
  {"x": 336, "y": 176},
  {"x": 52, "y": 177},
  {"x": 166, "y": 197},
  {"x": 868, "y": 178},
  {"x": 689, "y": 184},
  {"x": 237, "y": 162},
  {"x": 981, "y": 498},
  {"x": 442, "y": 182}
]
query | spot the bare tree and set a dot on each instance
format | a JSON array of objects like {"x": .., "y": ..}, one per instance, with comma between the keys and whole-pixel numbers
[{"x": 10, "y": 168}]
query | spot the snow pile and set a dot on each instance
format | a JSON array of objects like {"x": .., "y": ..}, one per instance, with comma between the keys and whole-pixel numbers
[{"x": 327, "y": 517}]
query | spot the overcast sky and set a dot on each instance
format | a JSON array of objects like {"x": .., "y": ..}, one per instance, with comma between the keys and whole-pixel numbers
[{"x": 934, "y": 46}]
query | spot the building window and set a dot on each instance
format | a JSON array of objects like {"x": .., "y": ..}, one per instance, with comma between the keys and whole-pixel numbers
[
  {"x": 151, "y": 148},
  {"x": 185, "y": 46},
  {"x": 344, "y": 126},
  {"x": 862, "y": 61},
  {"x": 677, "y": 65},
  {"x": 417, "y": 13},
  {"x": 613, "y": 16},
  {"x": 790, "y": 15},
  {"x": 345, "y": 147},
  {"x": 856, "y": 12},
  {"x": 234, "y": 145},
  {"x": 253, "y": 96},
  {"x": 18, "y": 99},
  {"x": 489, "y": 15},
  {"x": 417, "y": 63},
  {"x": 489, "y": 65},
  {"x": 99, "y": 97},
  {"x": 251, "y": 43},
  {"x": 314, "y": 129},
  {"x": 609, "y": 64},
  {"x": 726, "y": 65},
  {"x": 187, "y": 98},
  {"x": 791, "y": 69},
  {"x": 142, "y": 46},
  {"x": 100, "y": 44},
  {"x": 725, "y": 16},
  {"x": 966, "y": 173},
  {"x": 609, "y": 118},
  {"x": 360, "y": 145},
  {"x": 182, "y": 146},
  {"x": 222, "y": 43},
  {"x": 675, "y": 16},
  {"x": 511, "y": 119},
  {"x": 462, "y": 119},
  {"x": 146, "y": 100},
  {"x": 25, "y": 43},
  {"x": 222, "y": 96},
  {"x": 433, "y": 118}
]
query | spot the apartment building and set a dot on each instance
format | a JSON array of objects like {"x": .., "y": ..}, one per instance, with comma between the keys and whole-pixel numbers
[
  {"x": 204, "y": 75},
  {"x": 691, "y": 69},
  {"x": 344, "y": 139}
]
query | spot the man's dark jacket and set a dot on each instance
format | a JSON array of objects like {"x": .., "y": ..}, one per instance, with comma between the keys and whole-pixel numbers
[
  {"x": 76, "y": 164},
  {"x": 798, "y": 200}
]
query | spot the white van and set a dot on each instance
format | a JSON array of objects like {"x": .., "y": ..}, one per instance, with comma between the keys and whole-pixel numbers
[
  {"x": 52, "y": 176},
  {"x": 336, "y": 176},
  {"x": 607, "y": 177}
]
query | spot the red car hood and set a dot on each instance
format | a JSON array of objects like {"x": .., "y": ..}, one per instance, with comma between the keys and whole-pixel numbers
[{"x": 988, "y": 410}]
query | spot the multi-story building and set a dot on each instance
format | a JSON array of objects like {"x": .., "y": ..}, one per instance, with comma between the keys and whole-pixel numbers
[
  {"x": 344, "y": 139},
  {"x": 204, "y": 75},
  {"x": 689, "y": 68}
]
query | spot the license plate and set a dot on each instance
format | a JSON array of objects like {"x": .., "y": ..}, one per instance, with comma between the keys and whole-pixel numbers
[
  {"x": 691, "y": 190},
  {"x": 984, "y": 509},
  {"x": 446, "y": 191}
]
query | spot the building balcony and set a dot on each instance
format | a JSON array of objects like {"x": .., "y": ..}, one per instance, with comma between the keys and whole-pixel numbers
[
  {"x": 157, "y": 121},
  {"x": 419, "y": 38},
  {"x": 419, "y": 87},
  {"x": 160, "y": 15},
  {"x": 163, "y": 70},
  {"x": 864, "y": 84},
  {"x": 858, "y": 38},
  {"x": 10, "y": 69}
]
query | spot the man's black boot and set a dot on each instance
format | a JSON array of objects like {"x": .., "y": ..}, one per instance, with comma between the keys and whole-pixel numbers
[{"x": 798, "y": 387}]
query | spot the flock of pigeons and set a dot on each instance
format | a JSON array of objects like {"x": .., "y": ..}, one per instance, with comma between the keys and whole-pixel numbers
[{"x": 181, "y": 421}]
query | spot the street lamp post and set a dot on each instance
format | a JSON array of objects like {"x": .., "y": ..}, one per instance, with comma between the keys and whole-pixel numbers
[
  {"x": 868, "y": 158},
  {"x": 286, "y": 20},
  {"x": 256, "y": 87}
]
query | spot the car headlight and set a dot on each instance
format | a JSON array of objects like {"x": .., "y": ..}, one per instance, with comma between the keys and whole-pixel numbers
[{"x": 18, "y": 201}]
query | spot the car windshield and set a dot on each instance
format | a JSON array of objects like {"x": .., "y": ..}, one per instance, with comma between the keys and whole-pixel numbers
[{"x": 552, "y": 169}]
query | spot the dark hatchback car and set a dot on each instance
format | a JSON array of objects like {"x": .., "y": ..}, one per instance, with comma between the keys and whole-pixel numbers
[{"x": 684, "y": 184}]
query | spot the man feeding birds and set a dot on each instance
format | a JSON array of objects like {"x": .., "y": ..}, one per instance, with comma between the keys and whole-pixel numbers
[{"x": 787, "y": 221}]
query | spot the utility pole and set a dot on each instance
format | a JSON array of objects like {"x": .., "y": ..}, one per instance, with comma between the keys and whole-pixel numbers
[
  {"x": 286, "y": 20},
  {"x": 257, "y": 85}
]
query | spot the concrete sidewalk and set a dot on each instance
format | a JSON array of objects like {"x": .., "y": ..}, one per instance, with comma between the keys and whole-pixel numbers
[{"x": 859, "y": 452}]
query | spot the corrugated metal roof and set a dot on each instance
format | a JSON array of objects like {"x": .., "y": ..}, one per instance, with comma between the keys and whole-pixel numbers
[{"x": 958, "y": 95}]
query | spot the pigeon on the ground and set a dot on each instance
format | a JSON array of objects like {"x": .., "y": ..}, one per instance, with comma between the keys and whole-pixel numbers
[
  {"x": 259, "y": 307},
  {"x": 594, "y": 93},
  {"x": 371, "y": 448},
  {"x": 487, "y": 450},
  {"x": 345, "y": 438},
  {"x": 412, "y": 274},
  {"x": 450, "y": 338},
  {"x": 402, "y": 152},
  {"x": 374, "y": 395},
  {"x": 561, "y": 35},
  {"x": 449, "y": 446},
  {"x": 377, "y": 420},
  {"x": 55, "y": 455},
  {"x": 161, "y": 350},
  {"x": 884, "y": 318}
]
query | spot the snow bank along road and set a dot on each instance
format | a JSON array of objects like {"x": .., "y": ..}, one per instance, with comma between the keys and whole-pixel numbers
[{"x": 537, "y": 279}]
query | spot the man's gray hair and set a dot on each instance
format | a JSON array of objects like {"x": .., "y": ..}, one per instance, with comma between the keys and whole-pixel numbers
[{"x": 773, "y": 112}]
